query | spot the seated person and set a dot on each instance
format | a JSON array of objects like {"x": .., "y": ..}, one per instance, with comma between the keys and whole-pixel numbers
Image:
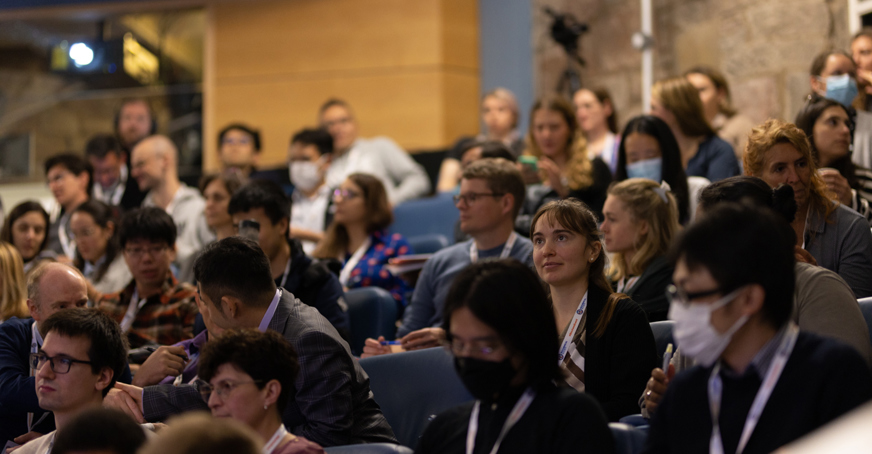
[
  {"x": 26, "y": 228},
  {"x": 264, "y": 202},
  {"x": 403, "y": 178},
  {"x": 491, "y": 194},
  {"x": 51, "y": 287},
  {"x": 98, "y": 253},
  {"x": 239, "y": 150},
  {"x": 564, "y": 167},
  {"x": 112, "y": 182},
  {"x": 82, "y": 355},
  {"x": 309, "y": 157},
  {"x": 99, "y": 430},
  {"x": 235, "y": 359},
  {"x": 473, "y": 151},
  {"x": 731, "y": 305},
  {"x": 714, "y": 92},
  {"x": 217, "y": 190},
  {"x": 359, "y": 239},
  {"x": 649, "y": 150},
  {"x": 154, "y": 308},
  {"x": 69, "y": 180},
  {"x": 501, "y": 331},
  {"x": 598, "y": 121},
  {"x": 614, "y": 361},
  {"x": 333, "y": 404},
  {"x": 834, "y": 235},
  {"x": 703, "y": 153},
  {"x": 13, "y": 291},
  {"x": 641, "y": 218}
]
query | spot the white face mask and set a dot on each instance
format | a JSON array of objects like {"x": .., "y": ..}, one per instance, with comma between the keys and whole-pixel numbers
[
  {"x": 694, "y": 332},
  {"x": 305, "y": 174}
]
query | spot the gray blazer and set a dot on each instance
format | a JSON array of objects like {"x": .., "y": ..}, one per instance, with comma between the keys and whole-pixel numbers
[
  {"x": 842, "y": 243},
  {"x": 332, "y": 404}
]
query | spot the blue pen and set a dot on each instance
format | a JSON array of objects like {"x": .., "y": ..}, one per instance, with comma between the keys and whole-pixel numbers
[{"x": 393, "y": 342}]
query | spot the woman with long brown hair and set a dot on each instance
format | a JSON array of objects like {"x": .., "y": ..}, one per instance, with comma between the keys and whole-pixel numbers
[
  {"x": 13, "y": 293},
  {"x": 607, "y": 348}
]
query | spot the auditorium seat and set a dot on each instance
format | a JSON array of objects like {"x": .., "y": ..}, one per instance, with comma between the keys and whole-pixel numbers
[
  {"x": 429, "y": 243},
  {"x": 866, "y": 309},
  {"x": 372, "y": 312},
  {"x": 628, "y": 439},
  {"x": 417, "y": 217},
  {"x": 663, "y": 335}
]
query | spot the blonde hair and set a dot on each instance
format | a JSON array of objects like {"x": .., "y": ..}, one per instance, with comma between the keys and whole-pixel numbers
[
  {"x": 645, "y": 201},
  {"x": 680, "y": 97},
  {"x": 200, "y": 433},
  {"x": 505, "y": 95},
  {"x": 578, "y": 165},
  {"x": 773, "y": 132},
  {"x": 13, "y": 291}
]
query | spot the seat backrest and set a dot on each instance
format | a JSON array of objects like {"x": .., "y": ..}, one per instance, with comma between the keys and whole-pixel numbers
[
  {"x": 866, "y": 309},
  {"x": 428, "y": 243},
  {"x": 372, "y": 312},
  {"x": 370, "y": 448},
  {"x": 435, "y": 214},
  {"x": 412, "y": 387},
  {"x": 628, "y": 439},
  {"x": 663, "y": 335}
]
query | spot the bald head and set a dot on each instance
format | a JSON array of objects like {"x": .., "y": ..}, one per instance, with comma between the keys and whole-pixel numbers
[
  {"x": 54, "y": 286},
  {"x": 154, "y": 161}
]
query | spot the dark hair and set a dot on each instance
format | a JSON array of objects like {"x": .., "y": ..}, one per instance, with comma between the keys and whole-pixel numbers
[
  {"x": 820, "y": 61},
  {"x": 20, "y": 210},
  {"x": 75, "y": 164},
  {"x": 102, "y": 144},
  {"x": 760, "y": 252},
  {"x": 245, "y": 350},
  {"x": 99, "y": 429},
  {"x": 489, "y": 149},
  {"x": 331, "y": 103},
  {"x": 231, "y": 182},
  {"x": 255, "y": 135},
  {"x": 235, "y": 267},
  {"x": 507, "y": 296},
  {"x": 501, "y": 177},
  {"x": 377, "y": 210},
  {"x": 149, "y": 223},
  {"x": 672, "y": 169},
  {"x": 806, "y": 119},
  {"x": 753, "y": 190},
  {"x": 102, "y": 214},
  {"x": 319, "y": 137},
  {"x": 108, "y": 343},
  {"x": 264, "y": 194},
  {"x": 720, "y": 83}
]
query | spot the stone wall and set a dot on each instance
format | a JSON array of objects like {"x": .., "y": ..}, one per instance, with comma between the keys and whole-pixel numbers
[{"x": 763, "y": 47}]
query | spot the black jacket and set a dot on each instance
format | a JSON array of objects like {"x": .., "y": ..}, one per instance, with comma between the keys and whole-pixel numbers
[{"x": 649, "y": 291}]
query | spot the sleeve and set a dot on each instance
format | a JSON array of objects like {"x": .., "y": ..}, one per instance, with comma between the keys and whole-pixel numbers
[
  {"x": 396, "y": 285},
  {"x": 723, "y": 163},
  {"x": 17, "y": 387},
  {"x": 847, "y": 385},
  {"x": 422, "y": 308},
  {"x": 324, "y": 390},
  {"x": 159, "y": 402},
  {"x": 327, "y": 302},
  {"x": 411, "y": 179},
  {"x": 855, "y": 265}
]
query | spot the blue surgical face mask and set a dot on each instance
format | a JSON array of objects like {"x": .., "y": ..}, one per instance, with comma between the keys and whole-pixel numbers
[
  {"x": 651, "y": 169},
  {"x": 842, "y": 89}
]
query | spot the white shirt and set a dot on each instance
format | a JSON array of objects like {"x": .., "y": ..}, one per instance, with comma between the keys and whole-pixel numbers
[{"x": 308, "y": 213}]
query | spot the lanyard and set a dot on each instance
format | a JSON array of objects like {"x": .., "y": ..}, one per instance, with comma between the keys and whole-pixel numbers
[
  {"x": 507, "y": 248},
  {"x": 517, "y": 411},
  {"x": 345, "y": 275},
  {"x": 132, "y": 310},
  {"x": 67, "y": 244},
  {"x": 35, "y": 342},
  {"x": 573, "y": 327},
  {"x": 286, "y": 273},
  {"x": 277, "y": 438},
  {"x": 715, "y": 389}
]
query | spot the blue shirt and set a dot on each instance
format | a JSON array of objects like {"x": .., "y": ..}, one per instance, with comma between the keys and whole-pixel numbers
[{"x": 714, "y": 160}]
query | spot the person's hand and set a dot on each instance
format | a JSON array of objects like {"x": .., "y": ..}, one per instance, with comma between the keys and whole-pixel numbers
[
  {"x": 22, "y": 439},
  {"x": 656, "y": 388},
  {"x": 865, "y": 78},
  {"x": 529, "y": 175},
  {"x": 374, "y": 347},
  {"x": 555, "y": 178},
  {"x": 803, "y": 256},
  {"x": 165, "y": 361},
  {"x": 423, "y": 338},
  {"x": 124, "y": 398},
  {"x": 838, "y": 185}
]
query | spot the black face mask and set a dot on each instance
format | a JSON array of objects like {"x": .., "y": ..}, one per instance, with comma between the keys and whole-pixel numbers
[{"x": 484, "y": 379}]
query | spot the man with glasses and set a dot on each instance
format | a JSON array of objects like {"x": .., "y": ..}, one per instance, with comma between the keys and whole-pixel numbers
[
  {"x": 155, "y": 308},
  {"x": 402, "y": 177},
  {"x": 69, "y": 180},
  {"x": 491, "y": 194},
  {"x": 82, "y": 355},
  {"x": 759, "y": 382}
]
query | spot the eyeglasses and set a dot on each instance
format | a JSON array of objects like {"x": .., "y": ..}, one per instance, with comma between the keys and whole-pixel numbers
[
  {"x": 483, "y": 347},
  {"x": 222, "y": 389},
  {"x": 136, "y": 253},
  {"x": 62, "y": 366},
  {"x": 338, "y": 121},
  {"x": 678, "y": 295},
  {"x": 239, "y": 141},
  {"x": 84, "y": 233},
  {"x": 471, "y": 197},
  {"x": 58, "y": 177},
  {"x": 345, "y": 193}
]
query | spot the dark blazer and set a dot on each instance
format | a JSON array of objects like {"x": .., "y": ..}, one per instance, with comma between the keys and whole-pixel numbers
[
  {"x": 132, "y": 197},
  {"x": 332, "y": 404},
  {"x": 649, "y": 291},
  {"x": 618, "y": 364}
]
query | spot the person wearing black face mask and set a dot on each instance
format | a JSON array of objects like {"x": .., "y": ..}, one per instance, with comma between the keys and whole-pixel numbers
[{"x": 501, "y": 330}]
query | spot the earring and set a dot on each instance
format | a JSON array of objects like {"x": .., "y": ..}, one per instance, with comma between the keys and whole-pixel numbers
[
  {"x": 264, "y": 406},
  {"x": 592, "y": 259}
]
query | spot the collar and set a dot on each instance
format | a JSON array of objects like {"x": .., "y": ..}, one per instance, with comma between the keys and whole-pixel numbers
[
  {"x": 36, "y": 334},
  {"x": 92, "y": 267},
  {"x": 815, "y": 222},
  {"x": 761, "y": 361},
  {"x": 197, "y": 342},
  {"x": 270, "y": 312}
]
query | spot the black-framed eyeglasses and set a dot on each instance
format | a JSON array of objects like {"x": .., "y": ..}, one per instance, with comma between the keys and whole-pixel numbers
[
  {"x": 471, "y": 197},
  {"x": 137, "y": 253},
  {"x": 58, "y": 364},
  {"x": 678, "y": 295},
  {"x": 222, "y": 389}
]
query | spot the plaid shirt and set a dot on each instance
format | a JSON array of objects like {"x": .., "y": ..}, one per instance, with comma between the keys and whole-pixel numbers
[{"x": 165, "y": 319}]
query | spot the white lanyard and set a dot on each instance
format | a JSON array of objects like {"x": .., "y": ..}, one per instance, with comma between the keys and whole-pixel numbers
[
  {"x": 573, "y": 327},
  {"x": 715, "y": 389},
  {"x": 345, "y": 275},
  {"x": 507, "y": 248},
  {"x": 277, "y": 438},
  {"x": 35, "y": 342},
  {"x": 286, "y": 273},
  {"x": 517, "y": 411},
  {"x": 67, "y": 244},
  {"x": 132, "y": 309}
]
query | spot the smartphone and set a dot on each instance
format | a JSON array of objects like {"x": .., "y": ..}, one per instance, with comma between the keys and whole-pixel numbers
[
  {"x": 530, "y": 162},
  {"x": 250, "y": 229}
]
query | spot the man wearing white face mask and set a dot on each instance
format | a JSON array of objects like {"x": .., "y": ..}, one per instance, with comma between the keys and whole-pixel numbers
[
  {"x": 759, "y": 383},
  {"x": 309, "y": 156}
]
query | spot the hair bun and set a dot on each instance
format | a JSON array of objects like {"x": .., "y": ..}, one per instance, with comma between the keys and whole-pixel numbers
[{"x": 783, "y": 202}]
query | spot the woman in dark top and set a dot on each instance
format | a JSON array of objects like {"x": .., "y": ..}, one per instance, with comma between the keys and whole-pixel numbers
[
  {"x": 607, "y": 348},
  {"x": 641, "y": 219},
  {"x": 501, "y": 330},
  {"x": 703, "y": 153}
]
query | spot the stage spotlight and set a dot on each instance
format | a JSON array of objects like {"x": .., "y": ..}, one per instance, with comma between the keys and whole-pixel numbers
[{"x": 81, "y": 54}]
